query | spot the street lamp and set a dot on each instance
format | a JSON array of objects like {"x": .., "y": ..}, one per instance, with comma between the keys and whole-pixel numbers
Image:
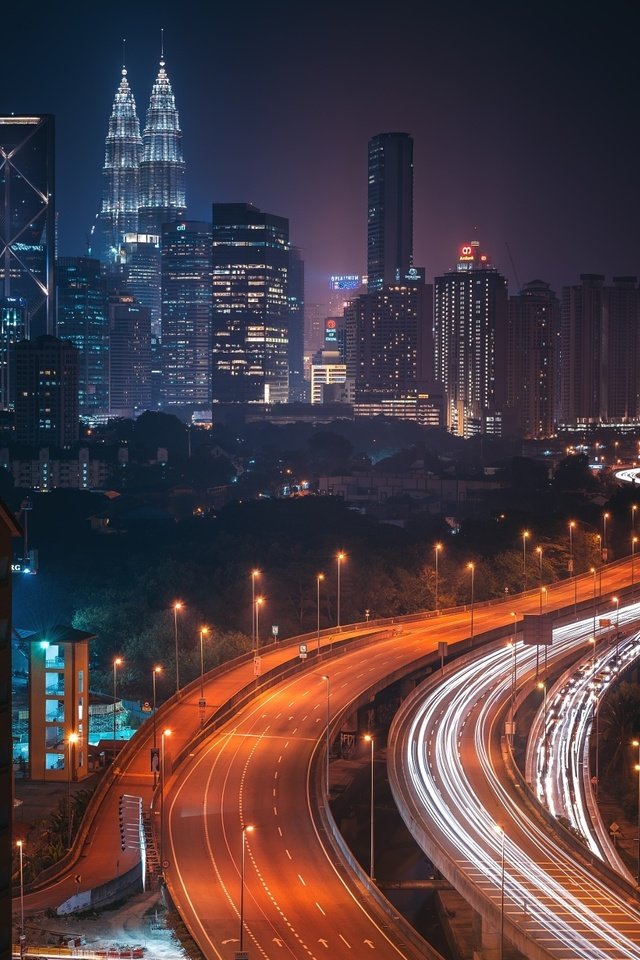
[
  {"x": 203, "y": 632},
  {"x": 116, "y": 663},
  {"x": 634, "y": 540},
  {"x": 540, "y": 551},
  {"x": 19, "y": 844},
  {"x": 572, "y": 524},
  {"x": 154, "y": 674},
  {"x": 339, "y": 558},
  {"x": 471, "y": 567},
  {"x": 616, "y": 600},
  {"x": 543, "y": 687},
  {"x": 436, "y": 550},
  {"x": 525, "y": 535},
  {"x": 605, "y": 517},
  {"x": 636, "y": 743},
  {"x": 164, "y": 735},
  {"x": 176, "y": 608},
  {"x": 500, "y": 830},
  {"x": 369, "y": 739},
  {"x": 248, "y": 828},
  {"x": 71, "y": 741},
  {"x": 319, "y": 579},
  {"x": 259, "y": 602},
  {"x": 634, "y": 507},
  {"x": 327, "y": 680},
  {"x": 254, "y": 574}
]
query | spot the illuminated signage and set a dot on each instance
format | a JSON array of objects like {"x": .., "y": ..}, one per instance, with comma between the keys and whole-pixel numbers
[
  {"x": 344, "y": 282},
  {"x": 181, "y": 226},
  {"x": 331, "y": 331}
]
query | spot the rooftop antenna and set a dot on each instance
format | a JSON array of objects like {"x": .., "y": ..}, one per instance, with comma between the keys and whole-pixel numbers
[
  {"x": 124, "y": 59},
  {"x": 161, "y": 44}
]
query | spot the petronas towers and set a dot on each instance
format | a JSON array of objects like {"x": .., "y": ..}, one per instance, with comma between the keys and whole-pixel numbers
[{"x": 143, "y": 176}]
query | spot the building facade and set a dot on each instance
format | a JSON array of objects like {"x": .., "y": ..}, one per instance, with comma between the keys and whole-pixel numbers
[
  {"x": 295, "y": 333},
  {"x": 532, "y": 359},
  {"x": 82, "y": 320},
  {"x": 13, "y": 329},
  {"x": 470, "y": 326},
  {"x": 162, "y": 169},
  {"x": 129, "y": 378},
  {"x": 186, "y": 313},
  {"x": 390, "y": 209},
  {"x": 27, "y": 217},
  {"x": 47, "y": 392},
  {"x": 250, "y": 305},
  {"x": 141, "y": 272}
]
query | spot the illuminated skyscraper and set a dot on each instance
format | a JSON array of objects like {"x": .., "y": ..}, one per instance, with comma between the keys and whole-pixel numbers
[
  {"x": 390, "y": 209},
  {"x": 46, "y": 392},
  {"x": 13, "y": 329},
  {"x": 129, "y": 357},
  {"x": 250, "y": 305},
  {"x": 470, "y": 322},
  {"x": 120, "y": 176},
  {"x": 162, "y": 192},
  {"x": 27, "y": 216},
  {"x": 140, "y": 266}
]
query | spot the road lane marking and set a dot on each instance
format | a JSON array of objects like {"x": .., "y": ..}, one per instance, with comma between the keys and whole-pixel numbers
[
  {"x": 301, "y": 880},
  {"x": 320, "y": 909}
]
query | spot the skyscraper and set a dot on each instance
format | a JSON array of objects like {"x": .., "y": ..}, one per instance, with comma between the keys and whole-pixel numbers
[
  {"x": 390, "y": 209},
  {"x": 295, "y": 288},
  {"x": 162, "y": 190},
  {"x": 46, "y": 392},
  {"x": 13, "y": 329},
  {"x": 532, "y": 357},
  {"x": 186, "y": 313},
  {"x": 140, "y": 265},
  {"x": 129, "y": 357},
  {"x": 250, "y": 305},
  {"x": 82, "y": 319},
  {"x": 27, "y": 216},
  {"x": 470, "y": 339},
  {"x": 623, "y": 349},
  {"x": 120, "y": 176}
]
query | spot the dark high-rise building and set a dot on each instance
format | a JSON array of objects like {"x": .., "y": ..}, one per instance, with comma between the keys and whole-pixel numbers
[
  {"x": 162, "y": 191},
  {"x": 250, "y": 305},
  {"x": 47, "y": 392},
  {"x": 532, "y": 357},
  {"x": 470, "y": 325},
  {"x": 295, "y": 287},
  {"x": 82, "y": 319},
  {"x": 129, "y": 357},
  {"x": 186, "y": 313},
  {"x": 390, "y": 209},
  {"x": 120, "y": 176},
  {"x": 13, "y": 329},
  {"x": 623, "y": 349},
  {"x": 27, "y": 216},
  {"x": 140, "y": 265},
  {"x": 388, "y": 340}
]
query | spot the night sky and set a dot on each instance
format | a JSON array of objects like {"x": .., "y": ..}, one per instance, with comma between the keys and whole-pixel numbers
[{"x": 525, "y": 119}]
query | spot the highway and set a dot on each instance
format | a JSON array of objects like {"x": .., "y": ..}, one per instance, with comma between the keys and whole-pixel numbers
[{"x": 447, "y": 772}]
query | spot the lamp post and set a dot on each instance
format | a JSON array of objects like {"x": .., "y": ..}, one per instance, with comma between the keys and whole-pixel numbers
[
  {"x": 116, "y": 663},
  {"x": 636, "y": 743},
  {"x": 500, "y": 830},
  {"x": 370, "y": 739},
  {"x": 248, "y": 828},
  {"x": 339, "y": 558},
  {"x": 72, "y": 739},
  {"x": 164, "y": 735},
  {"x": 254, "y": 574},
  {"x": 543, "y": 687},
  {"x": 634, "y": 507},
  {"x": 525, "y": 535},
  {"x": 176, "y": 608},
  {"x": 472, "y": 569},
  {"x": 19, "y": 844},
  {"x": 634, "y": 540},
  {"x": 203, "y": 632},
  {"x": 572, "y": 524},
  {"x": 616, "y": 600},
  {"x": 319, "y": 579},
  {"x": 605, "y": 517},
  {"x": 592, "y": 571},
  {"x": 154, "y": 675},
  {"x": 259, "y": 602},
  {"x": 540, "y": 552},
  {"x": 436, "y": 551},
  {"x": 327, "y": 680}
]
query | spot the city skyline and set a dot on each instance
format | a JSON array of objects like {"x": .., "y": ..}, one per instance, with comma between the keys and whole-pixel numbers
[{"x": 522, "y": 123}]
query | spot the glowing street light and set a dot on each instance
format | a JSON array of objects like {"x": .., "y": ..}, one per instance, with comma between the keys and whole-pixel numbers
[
  {"x": 525, "y": 535},
  {"x": 605, "y": 517},
  {"x": 72, "y": 739},
  {"x": 203, "y": 633},
  {"x": 178, "y": 605},
  {"x": 616, "y": 600},
  {"x": 472, "y": 569},
  {"x": 634, "y": 507},
  {"x": 116, "y": 663},
  {"x": 254, "y": 575},
  {"x": 19, "y": 844},
  {"x": 436, "y": 550},
  {"x": 164, "y": 735},
  {"x": 248, "y": 828},
  {"x": 327, "y": 680},
  {"x": 370, "y": 739},
  {"x": 339, "y": 558},
  {"x": 319, "y": 579},
  {"x": 572, "y": 524},
  {"x": 154, "y": 676},
  {"x": 259, "y": 602}
]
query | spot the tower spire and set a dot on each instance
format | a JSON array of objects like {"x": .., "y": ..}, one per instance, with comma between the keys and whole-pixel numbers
[
  {"x": 124, "y": 59},
  {"x": 162, "y": 43}
]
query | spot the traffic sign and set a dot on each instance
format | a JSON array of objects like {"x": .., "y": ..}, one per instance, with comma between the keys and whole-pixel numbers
[
  {"x": 257, "y": 666},
  {"x": 274, "y": 630},
  {"x": 302, "y": 651}
]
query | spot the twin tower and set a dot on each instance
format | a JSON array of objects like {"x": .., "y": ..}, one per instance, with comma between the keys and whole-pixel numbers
[{"x": 143, "y": 176}]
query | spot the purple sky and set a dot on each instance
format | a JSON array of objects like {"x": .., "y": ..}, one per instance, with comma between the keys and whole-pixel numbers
[{"x": 525, "y": 119}]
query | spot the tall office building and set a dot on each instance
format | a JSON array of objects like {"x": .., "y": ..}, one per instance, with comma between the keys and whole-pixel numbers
[
  {"x": 82, "y": 320},
  {"x": 47, "y": 392},
  {"x": 470, "y": 321},
  {"x": 13, "y": 329},
  {"x": 120, "y": 176},
  {"x": 390, "y": 209},
  {"x": 623, "y": 349},
  {"x": 129, "y": 357},
  {"x": 250, "y": 305},
  {"x": 27, "y": 216},
  {"x": 186, "y": 313},
  {"x": 140, "y": 266},
  {"x": 532, "y": 356},
  {"x": 162, "y": 190},
  {"x": 295, "y": 288}
]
